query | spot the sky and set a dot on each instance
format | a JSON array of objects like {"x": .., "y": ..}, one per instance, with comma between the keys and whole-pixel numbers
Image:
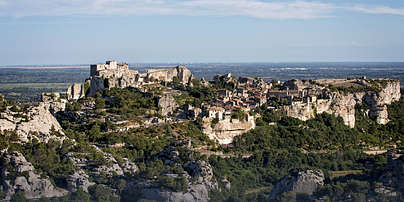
[{"x": 185, "y": 31}]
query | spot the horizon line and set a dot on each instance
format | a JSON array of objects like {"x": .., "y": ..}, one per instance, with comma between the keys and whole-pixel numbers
[{"x": 189, "y": 63}]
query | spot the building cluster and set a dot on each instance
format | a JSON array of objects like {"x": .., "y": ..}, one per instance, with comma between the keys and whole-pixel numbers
[{"x": 246, "y": 94}]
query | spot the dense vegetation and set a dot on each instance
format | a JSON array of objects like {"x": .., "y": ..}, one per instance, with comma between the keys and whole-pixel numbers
[{"x": 324, "y": 142}]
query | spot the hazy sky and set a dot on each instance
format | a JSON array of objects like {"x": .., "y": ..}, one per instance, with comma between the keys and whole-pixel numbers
[{"x": 89, "y": 31}]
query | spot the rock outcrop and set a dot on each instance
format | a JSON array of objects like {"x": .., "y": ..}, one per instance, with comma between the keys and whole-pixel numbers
[
  {"x": 198, "y": 177},
  {"x": 35, "y": 122},
  {"x": 76, "y": 91},
  {"x": 225, "y": 130},
  {"x": 378, "y": 101},
  {"x": 112, "y": 74},
  {"x": 111, "y": 168},
  {"x": 56, "y": 104},
  {"x": 167, "y": 104},
  {"x": 20, "y": 175},
  {"x": 181, "y": 72},
  {"x": 77, "y": 180},
  {"x": 343, "y": 104},
  {"x": 305, "y": 182}
]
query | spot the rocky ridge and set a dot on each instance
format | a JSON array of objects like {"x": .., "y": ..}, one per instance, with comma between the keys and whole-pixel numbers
[
  {"x": 343, "y": 104},
  {"x": 36, "y": 122},
  {"x": 111, "y": 75}
]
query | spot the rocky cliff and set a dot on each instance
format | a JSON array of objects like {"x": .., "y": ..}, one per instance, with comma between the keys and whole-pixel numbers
[
  {"x": 197, "y": 178},
  {"x": 343, "y": 104},
  {"x": 225, "y": 130},
  {"x": 120, "y": 76},
  {"x": 305, "y": 182},
  {"x": 34, "y": 122},
  {"x": 76, "y": 91},
  {"x": 18, "y": 174},
  {"x": 167, "y": 104}
]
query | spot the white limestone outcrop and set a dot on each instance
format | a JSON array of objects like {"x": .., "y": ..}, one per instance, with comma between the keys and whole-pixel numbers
[
  {"x": 225, "y": 130},
  {"x": 36, "y": 122},
  {"x": 112, "y": 74},
  {"x": 343, "y": 105}
]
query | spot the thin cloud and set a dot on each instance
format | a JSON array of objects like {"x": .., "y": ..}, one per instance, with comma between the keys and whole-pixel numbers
[
  {"x": 250, "y": 8},
  {"x": 260, "y": 9},
  {"x": 379, "y": 10},
  {"x": 299, "y": 9}
]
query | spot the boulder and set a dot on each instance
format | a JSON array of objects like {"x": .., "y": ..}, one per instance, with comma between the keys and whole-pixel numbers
[
  {"x": 305, "y": 182},
  {"x": 167, "y": 104}
]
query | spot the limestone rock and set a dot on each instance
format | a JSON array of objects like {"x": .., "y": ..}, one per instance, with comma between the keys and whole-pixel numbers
[
  {"x": 302, "y": 182},
  {"x": 113, "y": 167},
  {"x": 76, "y": 91},
  {"x": 36, "y": 119},
  {"x": 200, "y": 181},
  {"x": 78, "y": 180},
  {"x": 32, "y": 184},
  {"x": 56, "y": 104},
  {"x": 167, "y": 104},
  {"x": 225, "y": 130},
  {"x": 6, "y": 125},
  {"x": 343, "y": 105},
  {"x": 111, "y": 75},
  {"x": 129, "y": 167}
]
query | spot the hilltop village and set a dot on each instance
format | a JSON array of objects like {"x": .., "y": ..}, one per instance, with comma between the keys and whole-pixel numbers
[
  {"x": 165, "y": 135},
  {"x": 235, "y": 101}
]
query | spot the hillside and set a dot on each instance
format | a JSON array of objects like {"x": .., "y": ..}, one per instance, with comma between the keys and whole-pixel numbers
[{"x": 164, "y": 135}]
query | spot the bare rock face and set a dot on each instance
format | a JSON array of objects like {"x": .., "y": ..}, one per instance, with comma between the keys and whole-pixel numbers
[
  {"x": 167, "y": 104},
  {"x": 76, "y": 91},
  {"x": 78, "y": 180},
  {"x": 56, "y": 104},
  {"x": 378, "y": 101},
  {"x": 111, "y": 75},
  {"x": 200, "y": 180},
  {"x": 302, "y": 182},
  {"x": 96, "y": 84},
  {"x": 114, "y": 168},
  {"x": 225, "y": 130},
  {"x": 33, "y": 185},
  {"x": 343, "y": 105},
  {"x": 37, "y": 119},
  {"x": 181, "y": 72}
]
